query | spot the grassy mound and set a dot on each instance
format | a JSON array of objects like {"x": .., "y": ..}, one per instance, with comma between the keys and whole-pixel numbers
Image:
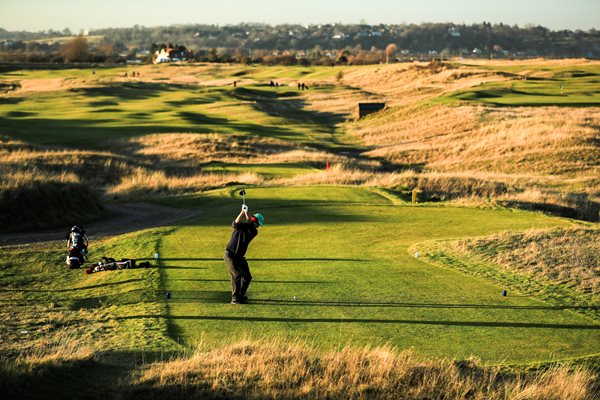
[
  {"x": 45, "y": 204},
  {"x": 559, "y": 266}
]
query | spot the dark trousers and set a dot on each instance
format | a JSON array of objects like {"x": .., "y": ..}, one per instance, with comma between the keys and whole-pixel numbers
[{"x": 240, "y": 274}]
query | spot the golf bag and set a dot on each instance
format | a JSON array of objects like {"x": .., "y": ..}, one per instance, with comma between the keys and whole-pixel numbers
[
  {"x": 77, "y": 242},
  {"x": 110, "y": 264}
]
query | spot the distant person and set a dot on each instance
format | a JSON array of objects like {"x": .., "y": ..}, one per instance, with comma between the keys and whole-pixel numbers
[
  {"x": 299, "y": 86},
  {"x": 125, "y": 74},
  {"x": 234, "y": 83},
  {"x": 242, "y": 235},
  {"x": 271, "y": 84}
]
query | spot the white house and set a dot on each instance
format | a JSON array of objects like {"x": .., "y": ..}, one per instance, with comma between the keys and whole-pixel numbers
[{"x": 161, "y": 57}]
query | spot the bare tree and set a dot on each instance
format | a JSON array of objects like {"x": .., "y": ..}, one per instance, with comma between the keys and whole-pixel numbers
[
  {"x": 75, "y": 49},
  {"x": 390, "y": 52}
]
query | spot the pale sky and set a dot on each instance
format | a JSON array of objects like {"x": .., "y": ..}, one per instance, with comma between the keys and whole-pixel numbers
[{"x": 36, "y": 15}]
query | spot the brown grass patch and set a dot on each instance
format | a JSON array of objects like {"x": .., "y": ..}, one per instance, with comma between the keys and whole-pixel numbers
[
  {"x": 143, "y": 181},
  {"x": 252, "y": 370},
  {"x": 543, "y": 142},
  {"x": 566, "y": 257},
  {"x": 195, "y": 149},
  {"x": 49, "y": 85},
  {"x": 408, "y": 83}
]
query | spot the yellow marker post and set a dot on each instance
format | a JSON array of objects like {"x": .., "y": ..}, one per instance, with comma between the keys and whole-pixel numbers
[{"x": 415, "y": 192}]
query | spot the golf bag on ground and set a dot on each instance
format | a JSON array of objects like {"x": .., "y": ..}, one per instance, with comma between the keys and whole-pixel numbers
[
  {"x": 110, "y": 264},
  {"x": 77, "y": 242}
]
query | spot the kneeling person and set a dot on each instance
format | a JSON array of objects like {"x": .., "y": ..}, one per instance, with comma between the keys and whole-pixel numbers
[{"x": 242, "y": 235}]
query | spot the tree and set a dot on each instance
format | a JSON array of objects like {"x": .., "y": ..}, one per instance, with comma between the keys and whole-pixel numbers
[
  {"x": 75, "y": 50},
  {"x": 390, "y": 52}
]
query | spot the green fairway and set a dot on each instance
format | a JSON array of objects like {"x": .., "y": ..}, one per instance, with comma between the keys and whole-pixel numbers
[
  {"x": 268, "y": 170},
  {"x": 553, "y": 86},
  {"x": 95, "y": 117},
  {"x": 332, "y": 267}
]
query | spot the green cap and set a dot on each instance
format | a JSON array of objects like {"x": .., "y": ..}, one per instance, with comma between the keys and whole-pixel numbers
[{"x": 260, "y": 219}]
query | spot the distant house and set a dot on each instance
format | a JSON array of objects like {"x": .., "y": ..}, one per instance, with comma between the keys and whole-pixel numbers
[
  {"x": 162, "y": 56},
  {"x": 169, "y": 54},
  {"x": 365, "y": 109}
]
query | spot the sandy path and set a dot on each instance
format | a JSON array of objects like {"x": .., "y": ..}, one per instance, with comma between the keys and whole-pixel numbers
[{"x": 123, "y": 218}]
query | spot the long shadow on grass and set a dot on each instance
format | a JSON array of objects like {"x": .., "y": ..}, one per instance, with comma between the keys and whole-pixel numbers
[
  {"x": 254, "y": 281},
  {"x": 263, "y": 259},
  {"x": 130, "y": 90},
  {"x": 75, "y": 289},
  {"x": 255, "y": 129},
  {"x": 278, "y": 213},
  {"x": 490, "y": 324},
  {"x": 418, "y": 305},
  {"x": 201, "y": 295},
  {"x": 81, "y": 132},
  {"x": 84, "y": 132},
  {"x": 285, "y": 104}
]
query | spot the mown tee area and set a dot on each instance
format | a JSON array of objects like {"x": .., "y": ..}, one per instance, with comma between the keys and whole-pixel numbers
[{"x": 332, "y": 266}]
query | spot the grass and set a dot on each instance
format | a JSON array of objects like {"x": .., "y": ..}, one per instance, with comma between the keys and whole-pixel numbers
[
  {"x": 553, "y": 86},
  {"x": 96, "y": 117},
  {"x": 559, "y": 266},
  {"x": 259, "y": 370},
  {"x": 334, "y": 268}
]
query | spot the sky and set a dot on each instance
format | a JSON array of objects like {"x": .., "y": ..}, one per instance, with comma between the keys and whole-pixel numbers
[{"x": 37, "y": 15}]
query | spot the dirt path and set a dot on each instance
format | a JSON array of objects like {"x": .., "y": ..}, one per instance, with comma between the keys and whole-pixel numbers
[{"x": 122, "y": 218}]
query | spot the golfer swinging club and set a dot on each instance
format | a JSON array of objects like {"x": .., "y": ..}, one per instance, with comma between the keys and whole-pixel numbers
[{"x": 243, "y": 233}]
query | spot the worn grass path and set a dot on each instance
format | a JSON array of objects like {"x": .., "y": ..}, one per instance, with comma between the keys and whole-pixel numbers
[{"x": 332, "y": 267}]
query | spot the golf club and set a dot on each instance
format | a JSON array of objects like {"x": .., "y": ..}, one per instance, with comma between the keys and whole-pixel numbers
[{"x": 244, "y": 206}]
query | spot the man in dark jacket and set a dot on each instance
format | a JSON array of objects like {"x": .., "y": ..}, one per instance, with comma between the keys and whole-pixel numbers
[{"x": 243, "y": 233}]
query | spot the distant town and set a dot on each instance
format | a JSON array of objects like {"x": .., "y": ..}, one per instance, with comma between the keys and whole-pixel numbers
[{"x": 289, "y": 44}]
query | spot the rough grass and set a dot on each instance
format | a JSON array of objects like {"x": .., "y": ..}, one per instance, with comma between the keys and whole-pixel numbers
[
  {"x": 566, "y": 257},
  {"x": 267, "y": 370},
  {"x": 559, "y": 266},
  {"x": 39, "y": 204},
  {"x": 292, "y": 370}
]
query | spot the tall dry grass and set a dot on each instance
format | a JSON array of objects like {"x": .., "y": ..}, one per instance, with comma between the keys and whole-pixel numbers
[
  {"x": 408, "y": 83},
  {"x": 536, "y": 141},
  {"x": 261, "y": 370},
  {"x": 195, "y": 150},
  {"x": 22, "y": 162},
  {"x": 568, "y": 257},
  {"x": 144, "y": 181}
]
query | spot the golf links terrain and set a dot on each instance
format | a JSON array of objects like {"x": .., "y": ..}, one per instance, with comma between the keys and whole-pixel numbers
[{"x": 334, "y": 265}]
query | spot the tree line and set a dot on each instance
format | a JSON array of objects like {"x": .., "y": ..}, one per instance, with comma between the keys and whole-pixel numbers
[{"x": 314, "y": 44}]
